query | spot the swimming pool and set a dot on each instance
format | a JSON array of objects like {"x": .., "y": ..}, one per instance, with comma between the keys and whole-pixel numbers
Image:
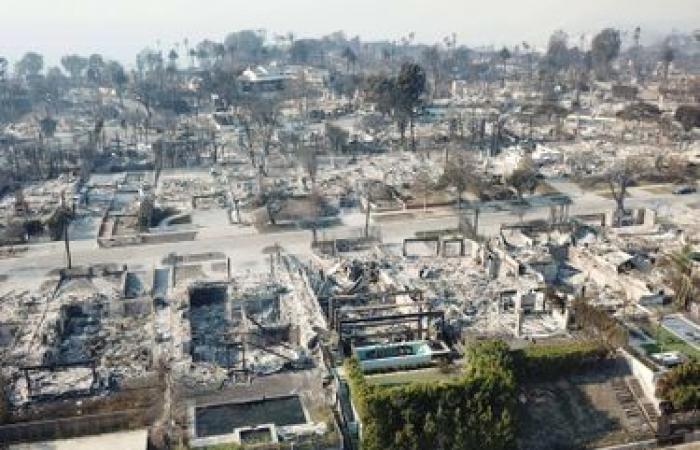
[{"x": 398, "y": 355}]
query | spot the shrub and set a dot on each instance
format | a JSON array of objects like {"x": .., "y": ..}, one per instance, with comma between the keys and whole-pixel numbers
[
  {"x": 681, "y": 386},
  {"x": 547, "y": 362},
  {"x": 474, "y": 412}
]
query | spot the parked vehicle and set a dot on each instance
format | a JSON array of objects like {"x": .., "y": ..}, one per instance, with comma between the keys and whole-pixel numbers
[{"x": 682, "y": 190}]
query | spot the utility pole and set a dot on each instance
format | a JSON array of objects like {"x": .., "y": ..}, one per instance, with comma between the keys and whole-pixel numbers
[
  {"x": 369, "y": 207},
  {"x": 66, "y": 241},
  {"x": 64, "y": 221},
  {"x": 238, "y": 211}
]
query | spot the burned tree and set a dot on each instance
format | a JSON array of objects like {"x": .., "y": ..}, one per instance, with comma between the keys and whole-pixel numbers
[
  {"x": 259, "y": 118},
  {"x": 461, "y": 172},
  {"x": 621, "y": 176},
  {"x": 423, "y": 185},
  {"x": 684, "y": 282},
  {"x": 524, "y": 177},
  {"x": 271, "y": 200},
  {"x": 309, "y": 161}
]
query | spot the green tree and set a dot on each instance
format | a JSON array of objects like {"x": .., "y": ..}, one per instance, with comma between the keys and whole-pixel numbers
[
  {"x": 524, "y": 177},
  {"x": 118, "y": 77},
  {"x": 244, "y": 46},
  {"x": 681, "y": 386},
  {"x": 474, "y": 412},
  {"x": 96, "y": 68},
  {"x": 350, "y": 58},
  {"x": 31, "y": 64},
  {"x": 74, "y": 65},
  {"x": 504, "y": 55},
  {"x": 558, "y": 56},
  {"x": 604, "y": 49},
  {"x": 410, "y": 86},
  {"x": 382, "y": 91}
]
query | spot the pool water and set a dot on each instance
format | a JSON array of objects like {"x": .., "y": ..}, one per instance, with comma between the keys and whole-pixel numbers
[{"x": 223, "y": 419}]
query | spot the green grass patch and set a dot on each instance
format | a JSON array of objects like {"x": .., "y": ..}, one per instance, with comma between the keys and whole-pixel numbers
[
  {"x": 669, "y": 342},
  {"x": 431, "y": 375}
]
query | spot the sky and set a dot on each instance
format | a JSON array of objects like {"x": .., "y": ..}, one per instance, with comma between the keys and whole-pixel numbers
[{"x": 120, "y": 28}]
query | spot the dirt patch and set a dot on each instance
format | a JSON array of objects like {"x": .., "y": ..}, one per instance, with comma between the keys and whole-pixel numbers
[
  {"x": 657, "y": 189},
  {"x": 545, "y": 188},
  {"x": 397, "y": 217},
  {"x": 577, "y": 412},
  {"x": 606, "y": 193}
]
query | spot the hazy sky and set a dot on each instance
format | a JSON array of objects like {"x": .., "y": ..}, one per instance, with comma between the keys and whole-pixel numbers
[{"x": 120, "y": 28}]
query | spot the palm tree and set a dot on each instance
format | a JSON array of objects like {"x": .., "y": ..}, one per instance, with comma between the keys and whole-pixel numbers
[
  {"x": 505, "y": 55},
  {"x": 684, "y": 282}
]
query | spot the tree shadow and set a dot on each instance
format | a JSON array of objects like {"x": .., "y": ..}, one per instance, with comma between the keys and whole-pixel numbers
[{"x": 573, "y": 412}]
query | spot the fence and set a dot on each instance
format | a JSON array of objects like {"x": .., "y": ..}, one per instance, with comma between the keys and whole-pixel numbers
[{"x": 76, "y": 426}]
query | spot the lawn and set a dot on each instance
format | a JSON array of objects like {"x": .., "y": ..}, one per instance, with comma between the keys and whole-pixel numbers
[
  {"x": 430, "y": 375},
  {"x": 668, "y": 342}
]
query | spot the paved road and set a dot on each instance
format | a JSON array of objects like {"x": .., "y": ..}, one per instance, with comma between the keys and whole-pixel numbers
[{"x": 244, "y": 245}]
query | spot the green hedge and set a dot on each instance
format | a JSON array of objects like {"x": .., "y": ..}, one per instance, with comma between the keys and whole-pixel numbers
[
  {"x": 475, "y": 412},
  {"x": 551, "y": 361}
]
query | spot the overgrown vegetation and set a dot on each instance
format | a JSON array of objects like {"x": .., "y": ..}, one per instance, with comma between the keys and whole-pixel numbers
[
  {"x": 552, "y": 361},
  {"x": 681, "y": 386},
  {"x": 598, "y": 324},
  {"x": 478, "y": 408},
  {"x": 682, "y": 278}
]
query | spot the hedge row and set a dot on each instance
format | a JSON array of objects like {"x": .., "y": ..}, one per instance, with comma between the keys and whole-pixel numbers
[
  {"x": 551, "y": 361},
  {"x": 475, "y": 412}
]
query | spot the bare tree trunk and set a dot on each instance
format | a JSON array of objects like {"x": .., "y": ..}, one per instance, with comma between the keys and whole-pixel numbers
[
  {"x": 66, "y": 242},
  {"x": 369, "y": 207},
  {"x": 413, "y": 133},
  {"x": 238, "y": 210}
]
